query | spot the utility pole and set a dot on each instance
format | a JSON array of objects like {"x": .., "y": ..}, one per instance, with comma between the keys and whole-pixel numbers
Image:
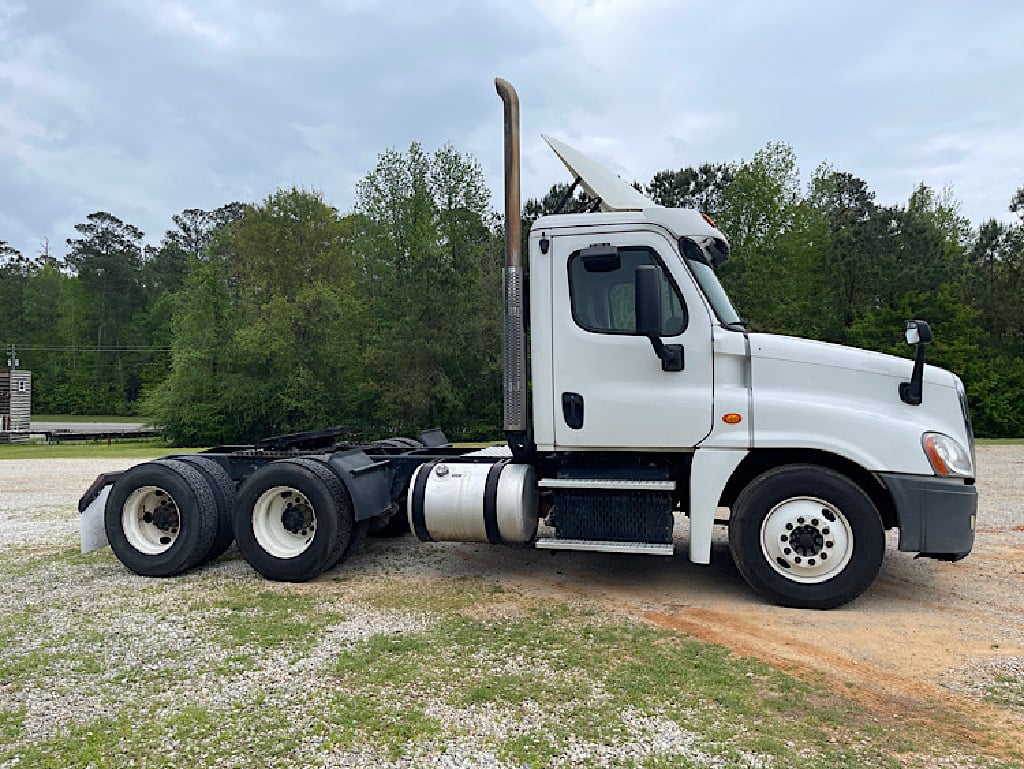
[{"x": 12, "y": 357}]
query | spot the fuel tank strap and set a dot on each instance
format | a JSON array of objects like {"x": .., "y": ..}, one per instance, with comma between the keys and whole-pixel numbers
[
  {"x": 491, "y": 502},
  {"x": 419, "y": 490}
]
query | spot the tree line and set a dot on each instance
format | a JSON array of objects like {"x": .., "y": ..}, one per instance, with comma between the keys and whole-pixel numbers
[{"x": 285, "y": 315}]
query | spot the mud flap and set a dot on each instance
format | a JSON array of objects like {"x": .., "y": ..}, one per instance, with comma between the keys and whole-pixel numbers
[{"x": 94, "y": 531}]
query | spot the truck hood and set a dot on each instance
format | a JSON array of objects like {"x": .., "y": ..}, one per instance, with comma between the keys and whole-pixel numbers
[
  {"x": 846, "y": 401},
  {"x": 859, "y": 362}
]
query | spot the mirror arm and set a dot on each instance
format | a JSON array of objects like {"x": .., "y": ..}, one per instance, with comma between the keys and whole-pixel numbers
[
  {"x": 919, "y": 332},
  {"x": 911, "y": 392},
  {"x": 670, "y": 355}
]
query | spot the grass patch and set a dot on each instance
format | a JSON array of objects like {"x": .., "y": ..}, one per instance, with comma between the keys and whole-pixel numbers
[
  {"x": 11, "y": 722},
  {"x": 1000, "y": 441},
  {"x": 23, "y": 668},
  {"x": 358, "y": 721},
  {"x": 142, "y": 449},
  {"x": 587, "y": 671},
  {"x": 456, "y": 594},
  {"x": 269, "y": 619},
  {"x": 182, "y": 736},
  {"x": 1006, "y": 690},
  {"x": 21, "y": 561}
]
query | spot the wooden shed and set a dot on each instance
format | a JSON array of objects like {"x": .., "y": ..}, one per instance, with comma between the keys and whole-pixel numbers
[{"x": 15, "y": 405}]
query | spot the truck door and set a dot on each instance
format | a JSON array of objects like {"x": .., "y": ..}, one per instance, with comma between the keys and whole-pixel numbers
[{"x": 610, "y": 391}]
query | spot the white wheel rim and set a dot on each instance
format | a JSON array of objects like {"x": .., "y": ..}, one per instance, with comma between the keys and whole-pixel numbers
[
  {"x": 806, "y": 540},
  {"x": 150, "y": 520},
  {"x": 283, "y": 522}
]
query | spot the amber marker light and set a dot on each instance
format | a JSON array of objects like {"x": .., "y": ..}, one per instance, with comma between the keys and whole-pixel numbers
[
  {"x": 708, "y": 219},
  {"x": 935, "y": 456},
  {"x": 732, "y": 419}
]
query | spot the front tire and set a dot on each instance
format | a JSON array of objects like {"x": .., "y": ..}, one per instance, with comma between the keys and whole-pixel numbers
[
  {"x": 293, "y": 520},
  {"x": 806, "y": 537}
]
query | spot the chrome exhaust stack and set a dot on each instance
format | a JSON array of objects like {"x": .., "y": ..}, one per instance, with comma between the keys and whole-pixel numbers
[{"x": 514, "y": 333}]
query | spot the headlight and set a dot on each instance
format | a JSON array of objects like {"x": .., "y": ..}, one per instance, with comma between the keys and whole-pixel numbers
[{"x": 947, "y": 457}]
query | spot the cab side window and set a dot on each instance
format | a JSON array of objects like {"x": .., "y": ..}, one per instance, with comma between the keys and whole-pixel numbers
[{"x": 603, "y": 292}]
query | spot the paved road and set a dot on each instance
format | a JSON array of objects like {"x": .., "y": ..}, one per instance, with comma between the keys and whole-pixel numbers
[{"x": 85, "y": 427}]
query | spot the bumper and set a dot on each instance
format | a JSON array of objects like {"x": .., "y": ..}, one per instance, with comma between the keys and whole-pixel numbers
[{"x": 936, "y": 515}]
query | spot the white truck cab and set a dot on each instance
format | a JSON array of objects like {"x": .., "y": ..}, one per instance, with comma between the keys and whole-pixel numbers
[{"x": 792, "y": 431}]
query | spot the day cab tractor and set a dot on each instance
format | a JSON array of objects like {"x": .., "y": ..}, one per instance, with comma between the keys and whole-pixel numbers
[{"x": 646, "y": 397}]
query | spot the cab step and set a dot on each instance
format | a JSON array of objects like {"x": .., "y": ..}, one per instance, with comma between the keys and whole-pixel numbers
[{"x": 605, "y": 546}]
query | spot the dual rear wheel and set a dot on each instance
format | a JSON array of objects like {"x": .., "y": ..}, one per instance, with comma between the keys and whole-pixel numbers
[
  {"x": 165, "y": 517},
  {"x": 294, "y": 520},
  {"x": 291, "y": 520}
]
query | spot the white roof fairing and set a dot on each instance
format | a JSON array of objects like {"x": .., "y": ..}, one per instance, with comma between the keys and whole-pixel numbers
[
  {"x": 619, "y": 197},
  {"x": 599, "y": 182}
]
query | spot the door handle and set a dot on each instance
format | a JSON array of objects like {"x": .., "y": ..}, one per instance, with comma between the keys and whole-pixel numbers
[{"x": 572, "y": 410}]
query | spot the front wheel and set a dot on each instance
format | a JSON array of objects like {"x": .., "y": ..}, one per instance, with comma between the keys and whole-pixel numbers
[{"x": 806, "y": 537}]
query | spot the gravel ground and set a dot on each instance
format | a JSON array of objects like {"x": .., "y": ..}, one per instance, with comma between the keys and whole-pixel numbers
[
  {"x": 966, "y": 619},
  {"x": 164, "y": 654}
]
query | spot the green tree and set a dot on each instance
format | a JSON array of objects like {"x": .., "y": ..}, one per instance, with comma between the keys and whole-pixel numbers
[
  {"x": 758, "y": 209},
  {"x": 929, "y": 239},
  {"x": 15, "y": 272},
  {"x": 263, "y": 333},
  {"x": 429, "y": 264},
  {"x": 702, "y": 188},
  {"x": 192, "y": 401},
  {"x": 854, "y": 235},
  {"x": 107, "y": 259}
]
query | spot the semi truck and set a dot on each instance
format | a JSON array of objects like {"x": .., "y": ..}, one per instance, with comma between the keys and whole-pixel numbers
[{"x": 644, "y": 399}]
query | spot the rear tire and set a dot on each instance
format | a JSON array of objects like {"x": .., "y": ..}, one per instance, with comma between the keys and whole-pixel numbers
[
  {"x": 806, "y": 537},
  {"x": 161, "y": 518},
  {"x": 224, "y": 493},
  {"x": 293, "y": 520}
]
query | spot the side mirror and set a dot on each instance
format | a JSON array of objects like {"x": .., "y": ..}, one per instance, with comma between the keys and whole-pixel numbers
[
  {"x": 918, "y": 332},
  {"x": 648, "y": 301},
  {"x": 647, "y": 310}
]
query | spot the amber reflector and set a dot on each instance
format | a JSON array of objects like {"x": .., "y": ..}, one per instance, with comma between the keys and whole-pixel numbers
[{"x": 732, "y": 419}]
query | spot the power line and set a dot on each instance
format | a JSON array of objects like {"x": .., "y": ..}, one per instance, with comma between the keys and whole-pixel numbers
[{"x": 66, "y": 348}]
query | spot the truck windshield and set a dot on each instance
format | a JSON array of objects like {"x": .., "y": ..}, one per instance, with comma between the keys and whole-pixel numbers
[{"x": 713, "y": 290}]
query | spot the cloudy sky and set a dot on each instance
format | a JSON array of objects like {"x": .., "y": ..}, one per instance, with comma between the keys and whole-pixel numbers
[{"x": 145, "y": 107}]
